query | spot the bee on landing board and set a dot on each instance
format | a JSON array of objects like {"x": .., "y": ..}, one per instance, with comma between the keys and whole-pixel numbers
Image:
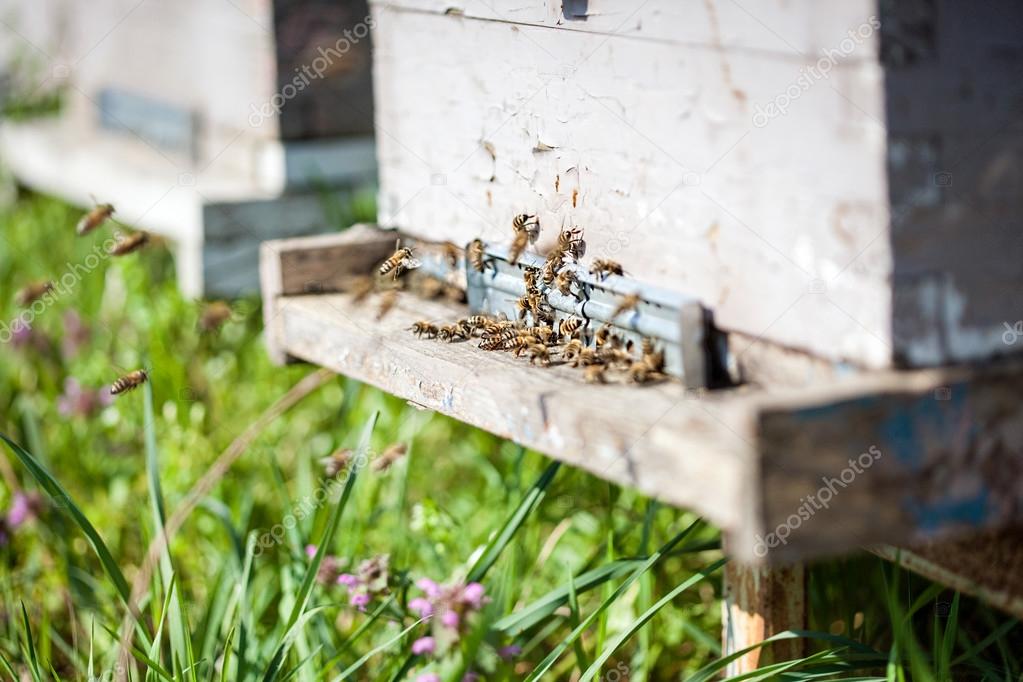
[
  {"x": 424, "y": 327},
  {"x": 569, "y": 327},
  {"x": 399, "y": 262},
  {"x": 98, "y": 215},
  {"x": 32, "y": 293},
  {"x": 130, "y": 244},
  {"x": 129, "y": 382},
  {"x": 602, "y": 267},
  {"x": 595, "y": 374}
]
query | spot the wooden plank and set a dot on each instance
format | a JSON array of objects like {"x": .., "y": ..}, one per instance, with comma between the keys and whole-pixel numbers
[
  {"x": 747, "y": 457},
  {"x": 650, "y": 148},
  {"x": 896, "y": 458},
  {"x": 987, "y": 565},
  {"x": 776, "y": 27}
]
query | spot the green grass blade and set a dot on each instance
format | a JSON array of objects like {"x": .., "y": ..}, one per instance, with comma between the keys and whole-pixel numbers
[
  {"x": 63, "y": 499},
  {"x": 525, "y": 618},
  {"x": 354, "y": 667},
  {"x": 30, "y": 646},
  {"x": 225, "y": 664},
  {"x": 514, "y": 522},
  {"x": 654, "y": 558},
  {"x": 574, "y": 620},
  {"x": 620, "y": 638},
  {"x": 302, "y": 597}
]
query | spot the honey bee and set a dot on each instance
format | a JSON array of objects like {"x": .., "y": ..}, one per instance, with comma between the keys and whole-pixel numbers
[
  {"x": 571, "y": 349},
  {"x": 493, "y": 327},
  {"x": 585, "y": 357},
  {"x": 452, "y": 254},
  {"x": 390, "y": 455},
  {"x": 129, "y": 382},
  {"x": 539, "y": 353},
  {"x": 474, "y": 254},
  {"x": 387, "y": 301},
  {"x": 423, "y": 327},
  {"x": 563, "y": 282},
  {"x": 571, "y": 242},
  {"x": 336, "y": 462},
  {"x": 450, "y": 331},
  {"x": 569, "y": 327},
  {"x": 32, "y": 293},
  {"x": 475, "y": 322},
  {"x": 214, "y": 315},
  {"x": 361, "y": 287},
  {"x": 529, "y": 276},
  {"x": 640, "y": 373},
  {"x": 629, "y": 302},
  {"x": 518, "y": 245},
  {"x": 520, "y": 343},
  {"x": 614, "y": 356},
  {"x": 492, "y": 343},
  {"x": 602, "y": 335},
  {"x": 130, "y": 244},
  {"x": 528, "y": 224},
  {"x": 94, "y": 218},
  {"x": 543, "y": 333},
  {"x": 603, "y": 267},
  {"x": 551, "y": 266},
  {"x": 652, "y": 358},
  {"x": 595, "y": 374},
  {"x": 399, "y": 261}
]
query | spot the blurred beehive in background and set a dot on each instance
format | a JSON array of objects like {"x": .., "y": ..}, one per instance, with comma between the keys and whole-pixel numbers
[{"x": 216, "y": 124}]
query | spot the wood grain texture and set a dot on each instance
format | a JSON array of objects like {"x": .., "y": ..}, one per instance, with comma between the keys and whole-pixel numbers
[
  {"x": 652, "y": 147},
  {"x": 760, "y": 602}
]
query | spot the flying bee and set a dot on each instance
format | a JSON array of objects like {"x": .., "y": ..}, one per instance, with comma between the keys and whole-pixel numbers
[
  {"x": 430, "y": 287},
  {"x": 336, "y": 462},
  {"x": 539, "y": 353},
  {"x": 452, "y": 254},
  {"x": 130, "y": 244},
  {"x": 529, "y": 224},
  {"x": 399, "y": 261},
  {"x": 518, "y": 245},
  {"x": 361, "y": 287},
  {"x": 129, "y": 382},
  {"x": 629, "y": 302},
  {"x": 569, "y": 327},
  {"x": 423, "y": 327},
  {"x": 387, "y": 301},
  {"x": 571, "y": 242},
  {"x": 32, "y": 293},
  {"x": 214, "y": 315},
  {"x": 390, "y": 455},
  {"x": 595, "y": 374},
  {"x": 551, "y": 266},
  {"x": 94, "y": 218},
  {"x": 602, "y": 267},
  {"x": 474, "y": 254},
  {"x": 563, "y": 282}
]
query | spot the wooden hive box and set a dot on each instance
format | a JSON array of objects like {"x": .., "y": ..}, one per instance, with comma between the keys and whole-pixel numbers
[
  {"x": 214, "y": 124},
  {"x": 828, "y": 180}
]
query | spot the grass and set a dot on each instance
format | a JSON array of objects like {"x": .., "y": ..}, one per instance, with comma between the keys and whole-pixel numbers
[{"x": 586, "y": 580}]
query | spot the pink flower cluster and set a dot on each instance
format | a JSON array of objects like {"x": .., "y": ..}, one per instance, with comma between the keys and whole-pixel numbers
[
  {"x": 78, "y": 401},
  {"x": 24, "y": 507},
  {"x": 370, "y": 580},
  {"x": 451, "y": 605}
]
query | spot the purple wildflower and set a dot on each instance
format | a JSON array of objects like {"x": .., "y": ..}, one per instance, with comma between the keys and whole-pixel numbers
[
  {"x": 428, "y": 677},
  {"x": 473, "y": 595},
  {"x": 470, "y": 677},
  {"x": 23, "y": 508},
  {"x": 76, "y": 335},
  {"x": 421, "y": 606},
  {"x": 348, "y": 580},
  {"x": 450, "y": 619},
  {"x": 424, "y": 645},
  {"x": 509, "y": 652},
  {"x": 431, "y": 588},
  {"x": 310, "y": 550},
  {"x": 359, "y": 600},
  {"x": 78, "y": 401}
]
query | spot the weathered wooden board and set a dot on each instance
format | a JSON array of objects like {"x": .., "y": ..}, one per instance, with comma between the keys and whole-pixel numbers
[
  {"x": 654, "y": 148},
  {"x": 949, "y": 440}
]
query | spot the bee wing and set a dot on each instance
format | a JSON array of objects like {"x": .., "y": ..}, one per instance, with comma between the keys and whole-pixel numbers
[{"x": 410, "y": 263}]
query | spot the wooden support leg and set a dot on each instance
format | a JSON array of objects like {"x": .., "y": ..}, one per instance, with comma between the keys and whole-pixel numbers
[{"x": 760, "y": 602}]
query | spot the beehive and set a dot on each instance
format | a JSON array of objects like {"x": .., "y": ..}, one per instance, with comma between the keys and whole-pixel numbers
[{"x": 214, "y": 124}]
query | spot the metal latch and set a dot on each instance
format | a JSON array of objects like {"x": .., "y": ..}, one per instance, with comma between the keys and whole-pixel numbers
[{"x": 677, "y": 323}]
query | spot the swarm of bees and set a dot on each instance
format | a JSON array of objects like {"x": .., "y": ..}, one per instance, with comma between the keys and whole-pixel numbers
[{"x": 535, "y": 334}]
